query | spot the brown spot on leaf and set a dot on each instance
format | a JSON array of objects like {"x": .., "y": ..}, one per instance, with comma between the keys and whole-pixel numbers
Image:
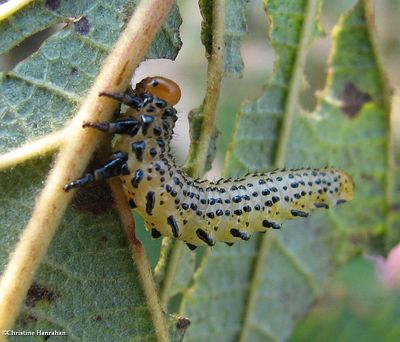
[
  {"x": 395, "y": 207},
  {"x": 38, "y": 292},
  {"x": 52, "y": 5},
  {"x": 353, "y": 99},
  {"x": 98, "y": 318},
  {"x": 94, "y": 198},
  {"x": 25, "y": 319},
  {"x": 82, "y": 26},
  {"x": 127, "y": 13}
]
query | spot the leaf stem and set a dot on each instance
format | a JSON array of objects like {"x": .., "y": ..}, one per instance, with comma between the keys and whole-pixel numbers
[
  {"x": 214, "y": 77},
  {"x": 115, "y": 75},
  {"x": 279, "y": 162},
  {"x": 142, "y": 263},
  {"x": 36, "y": 148},
  {"x": 170, "y": 272},
  {"x": 10, "y": 7}
]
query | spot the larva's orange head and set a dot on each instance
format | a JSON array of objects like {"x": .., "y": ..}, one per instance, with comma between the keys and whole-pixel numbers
[{"x": 161, "y": 87}]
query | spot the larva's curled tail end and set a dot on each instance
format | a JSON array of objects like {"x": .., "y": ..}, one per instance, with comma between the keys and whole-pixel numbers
[{"x": 347, "y": 187}]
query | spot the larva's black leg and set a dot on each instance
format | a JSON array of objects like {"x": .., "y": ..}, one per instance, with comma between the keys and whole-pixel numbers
[
  {"x": 124, "y": 126},
  {"x": 129, "y": 100},
  {"x": 115, "y": 167}
]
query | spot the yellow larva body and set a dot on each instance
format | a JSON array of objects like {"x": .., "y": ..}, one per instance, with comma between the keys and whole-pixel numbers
[{"x": 202, "y": 212}]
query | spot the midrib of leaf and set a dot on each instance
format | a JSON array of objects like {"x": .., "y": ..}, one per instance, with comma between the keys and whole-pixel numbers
[{"x": 294, "y": 89}]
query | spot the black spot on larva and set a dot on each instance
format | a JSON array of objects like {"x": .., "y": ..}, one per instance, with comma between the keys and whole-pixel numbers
[
  {"x": 185, "y": 206},
  {"x": 169, "y": 111},
  {"x": 236, "y": 199},
  {"x": 160, "y": 103},
  {"x": 52, "y": 5},
  {"x": 193, "y": 206},
  {"x": 270, "y": 224},
  {"x": 268, "y": 203},
  {"x": 247, "y": 209},
  {"x": 191, "y": 247},
  {"x": 146, "y": 121},
  {"x": 157, "y": 130},
  {"x": 165, "y": 125},
  {"x": 153, "y": 153},
  {"x": 155, "y": 233},
  {"x": 132, "y": 203},
  {"x": 230, "y": 244},
  {"x": 202, "y": 235},
  {"x": 150, "y": 201},
  {"x": 210, "y": 215},
  {"x": 340, "y": 201},
  {"x": 82, "y": 26},
  {"x": 174, "y": 226},
  {"x": 265, "y": 192},
  {"x": 275, "y": 199},
  {"x": 238, "y": 212},
  {"x": 294, "y": 185},
  {"x": 321, "y": 205},
  {"x": 138, "y": 148},
  {"x": 138, "y": 176},
  {"x": 299, "y": 213},
  {"x": 353, "y": 99},
  {"x": 39, "y": 292},
  {"x": 237, "y": 233}
]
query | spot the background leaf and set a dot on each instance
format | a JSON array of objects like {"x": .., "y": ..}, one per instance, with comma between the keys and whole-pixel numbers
[
  {"x": 235, "y": 29},
  {"x": 348, "y": 130},
  {"x": 88, "y": 284}
]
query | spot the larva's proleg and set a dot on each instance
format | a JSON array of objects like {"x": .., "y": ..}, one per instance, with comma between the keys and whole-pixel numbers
[{"x": 202, "y": 212}]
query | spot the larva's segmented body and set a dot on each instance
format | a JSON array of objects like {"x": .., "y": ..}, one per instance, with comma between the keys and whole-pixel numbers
[{"x": 203, "y": 212}]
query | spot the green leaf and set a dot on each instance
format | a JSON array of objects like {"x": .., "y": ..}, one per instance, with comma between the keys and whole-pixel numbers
[
  {"x": 349, "y": 129},
  {"x": 88, "y": 285},
  {"x": 235, "y": 29},
  {"x": 41, "y": 93}
]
